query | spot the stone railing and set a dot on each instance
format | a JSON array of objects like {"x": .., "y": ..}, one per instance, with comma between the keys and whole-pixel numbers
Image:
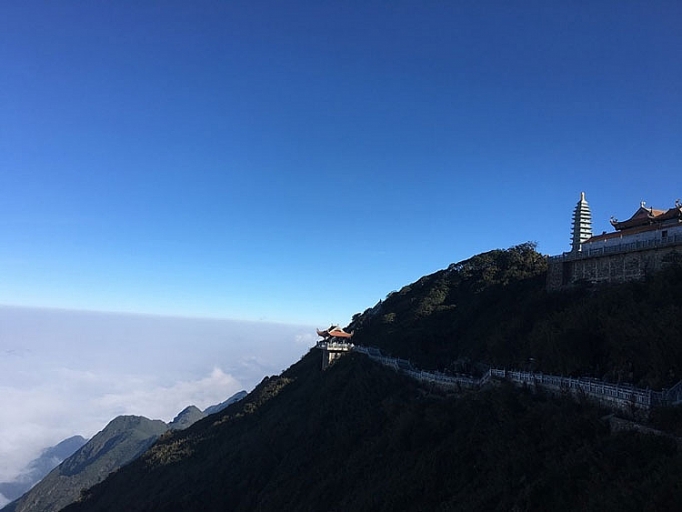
[
  {"x": 337, "y": 346},
  {"x": 618, "y": 249},
  {"x": 618, "y": 396}
]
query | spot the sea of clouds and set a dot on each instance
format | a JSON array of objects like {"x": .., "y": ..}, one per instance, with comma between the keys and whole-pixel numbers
[{"x": 64, "y": 373}]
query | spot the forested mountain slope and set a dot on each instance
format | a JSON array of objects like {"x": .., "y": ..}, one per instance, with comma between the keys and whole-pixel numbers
[
  {"x": 494, "y": 309},
  {"x": 359, "y": 436},
  {"x": 123, "y": 439}
]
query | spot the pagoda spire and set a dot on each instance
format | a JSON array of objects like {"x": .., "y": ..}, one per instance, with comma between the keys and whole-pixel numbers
[{"x": 582, "y": 223}]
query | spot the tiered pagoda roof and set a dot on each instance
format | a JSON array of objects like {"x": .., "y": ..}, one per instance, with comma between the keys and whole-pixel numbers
[{"x": 582, "y": 223}]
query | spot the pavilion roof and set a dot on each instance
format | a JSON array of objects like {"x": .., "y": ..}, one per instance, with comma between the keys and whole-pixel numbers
[
  {"x": 648, "y": 217},
  {"x": 334, "y": 331}
]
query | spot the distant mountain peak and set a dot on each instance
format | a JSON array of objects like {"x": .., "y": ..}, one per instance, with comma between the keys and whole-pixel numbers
[
  {"x": 188, "y": 416},
  {"x": 219, "y": 407},
  {"x": 49, "y": 459}
]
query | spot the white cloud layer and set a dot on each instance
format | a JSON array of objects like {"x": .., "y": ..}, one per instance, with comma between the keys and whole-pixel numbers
[{"x": 64, "y": 373}]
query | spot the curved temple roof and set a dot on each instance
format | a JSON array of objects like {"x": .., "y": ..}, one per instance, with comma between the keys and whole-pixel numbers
[
  {"x": 648, "y": 216},
  {"x": 333, "y": 331}
]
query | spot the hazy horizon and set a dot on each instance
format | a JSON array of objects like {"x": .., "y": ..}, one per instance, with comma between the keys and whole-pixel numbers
[{"x": 65, "y": 373}]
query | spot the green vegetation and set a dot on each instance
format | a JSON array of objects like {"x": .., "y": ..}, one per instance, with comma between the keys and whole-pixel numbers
[
  {"x": 361, "y": 437},
  {"x": 122, "y": 440},
  {"x": 494, "y": 309}
]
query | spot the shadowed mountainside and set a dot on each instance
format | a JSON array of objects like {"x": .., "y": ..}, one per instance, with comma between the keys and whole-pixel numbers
[
  {"x": 360, "y": 437},
  {"x": 494, "y": 309}
]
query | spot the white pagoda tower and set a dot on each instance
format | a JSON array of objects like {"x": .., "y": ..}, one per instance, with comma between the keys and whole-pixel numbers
[{"x": 582, "y": 224}]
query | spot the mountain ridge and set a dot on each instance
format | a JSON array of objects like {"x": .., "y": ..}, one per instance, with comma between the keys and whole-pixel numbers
[
  {"x": 122, "y": 440},
  {"x": 360, "y": 436},
  {"x": 384, "y": 443}
]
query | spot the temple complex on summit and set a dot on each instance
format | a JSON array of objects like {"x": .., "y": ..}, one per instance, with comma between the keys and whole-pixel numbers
[
  {"x": 646, "y": 224},
  {"x": 640, "y": 245}
]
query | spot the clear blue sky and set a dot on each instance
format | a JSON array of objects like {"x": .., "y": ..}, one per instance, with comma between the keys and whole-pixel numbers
[{"x": 296, "y": 161}]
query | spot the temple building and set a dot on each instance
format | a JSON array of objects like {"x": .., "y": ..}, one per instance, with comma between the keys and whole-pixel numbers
[
  {"x": 646, "y": 224},
  {"x": 335, "y": 343},
  {"x": 638, "y": 246}
]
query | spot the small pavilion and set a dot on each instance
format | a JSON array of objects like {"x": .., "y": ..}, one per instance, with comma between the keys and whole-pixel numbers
[{"x": 334, "y": 343}]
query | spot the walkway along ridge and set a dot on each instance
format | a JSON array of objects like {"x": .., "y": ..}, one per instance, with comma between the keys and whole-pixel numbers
[{"x": 622, "y": 397}]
